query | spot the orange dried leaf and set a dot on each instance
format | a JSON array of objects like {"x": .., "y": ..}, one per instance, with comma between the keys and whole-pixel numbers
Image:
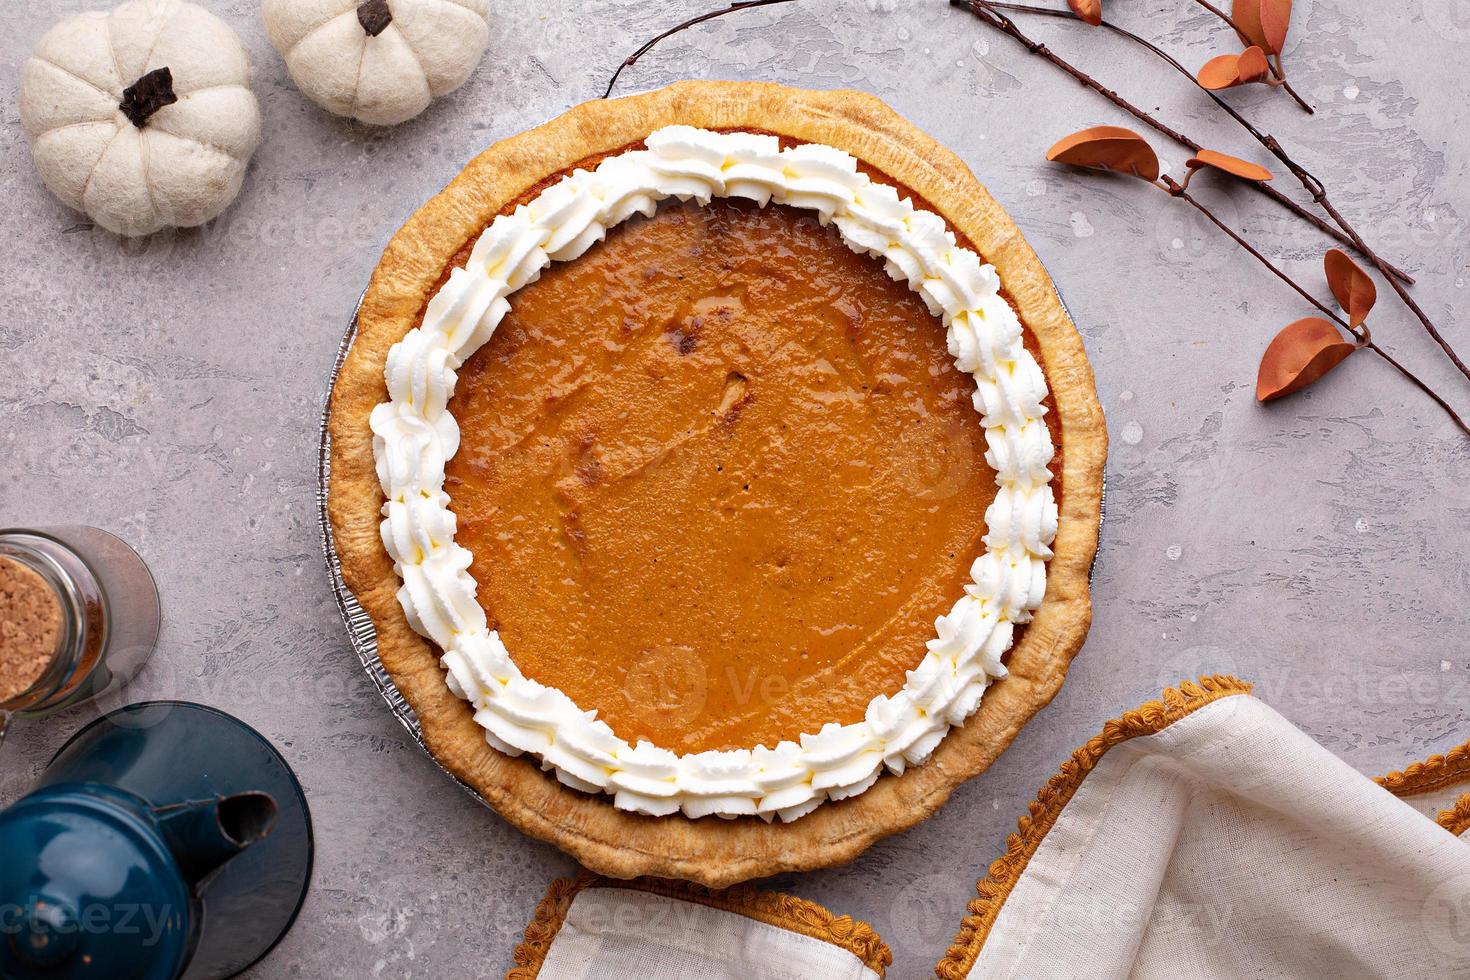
[
  {"x": 1247, "y": 16},
  {"x": 1230, "y": 70},
  {"x": 1108, "y": 148},
  {"x": 1243, "y": 169},
  {"x": 1251, "y": 65},
  {"x": 1088, "y": 10},
  {"x": 1353, "y": 288},
  {"x": 1220, "y": 72},
  {"x": 1299, "y": 356},
  {"x": 1275, "y": 19}
]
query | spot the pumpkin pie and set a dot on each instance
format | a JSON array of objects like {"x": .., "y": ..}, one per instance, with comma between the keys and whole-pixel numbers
[{"x": 722, "y": 475}]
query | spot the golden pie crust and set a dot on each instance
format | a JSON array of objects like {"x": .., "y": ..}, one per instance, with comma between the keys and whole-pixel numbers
[{"x": 712, "y": 851}]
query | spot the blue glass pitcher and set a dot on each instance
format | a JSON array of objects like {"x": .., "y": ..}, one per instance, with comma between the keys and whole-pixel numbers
[{"x": 164, "y": 840}]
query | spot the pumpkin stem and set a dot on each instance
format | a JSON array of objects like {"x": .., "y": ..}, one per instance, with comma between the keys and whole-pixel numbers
[
  {"x": 147, "y": 95},
  {"x": 374, "y": 16}
]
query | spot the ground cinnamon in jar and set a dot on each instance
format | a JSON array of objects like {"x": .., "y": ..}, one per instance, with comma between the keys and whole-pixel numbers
[{"x": 31, "y": 622}]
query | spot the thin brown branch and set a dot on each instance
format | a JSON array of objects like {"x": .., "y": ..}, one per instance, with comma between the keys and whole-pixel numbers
[
  {"x": 1178, "y": 191},
  {"x": 1320, "y": 196},
  {"x": 1365, "y": 340},
  {"x": 1418, "y": 383},
  {"x": 1273, "y": 65},
  {"x": 1344, "y": 232},
  {"x": 990, "y": 13},
  {"x": 1395, "y": 277},
  {"x": 1286, "y": 84},
  {"x": 1345, "y": 236},
  {"x": 648, "y": 45}
]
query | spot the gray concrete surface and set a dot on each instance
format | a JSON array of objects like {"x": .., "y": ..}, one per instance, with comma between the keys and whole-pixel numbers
[{"x": 169, "y": 389}]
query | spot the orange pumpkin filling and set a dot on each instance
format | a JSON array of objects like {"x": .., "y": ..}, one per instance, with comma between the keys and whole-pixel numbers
[{"x": 719, "y": 475}]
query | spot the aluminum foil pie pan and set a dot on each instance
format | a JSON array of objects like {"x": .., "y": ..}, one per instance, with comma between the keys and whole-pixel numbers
[{"x": 360, "y": 629}]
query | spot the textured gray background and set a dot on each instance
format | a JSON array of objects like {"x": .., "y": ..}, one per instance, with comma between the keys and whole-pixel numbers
[{"x": 169, "y": 390}]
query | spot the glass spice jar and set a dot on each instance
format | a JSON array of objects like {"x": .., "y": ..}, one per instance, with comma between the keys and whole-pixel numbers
[{"x": 78, "y": 617}]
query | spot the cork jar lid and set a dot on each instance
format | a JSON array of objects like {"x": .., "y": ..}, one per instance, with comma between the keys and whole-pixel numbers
[{"x": 31, "y": 625}]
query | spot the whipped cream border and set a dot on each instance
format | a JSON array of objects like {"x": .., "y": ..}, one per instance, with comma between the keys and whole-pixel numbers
[{"x": 414, "y": 434}]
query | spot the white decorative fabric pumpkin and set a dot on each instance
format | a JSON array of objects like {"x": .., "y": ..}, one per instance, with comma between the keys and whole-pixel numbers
[
  {"x": 142, "y": 118},
  {"x": 378, "y": 61}
]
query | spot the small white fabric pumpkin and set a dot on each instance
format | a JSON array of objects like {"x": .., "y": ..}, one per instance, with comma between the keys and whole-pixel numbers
[
  {"x": 378, "y": 61},
  {"x": 141, "y": 118}
]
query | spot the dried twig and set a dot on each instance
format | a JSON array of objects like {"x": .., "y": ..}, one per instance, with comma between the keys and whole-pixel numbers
[
  {"x": 1344, "y": 232},
  {"x": 1319, "y": 194},
  {"x": 1364, "y": 338},
  {"x": 991, "y": 14},
  {"x": 1346, "y": 235},
  {"x": 647, "y": 46}
]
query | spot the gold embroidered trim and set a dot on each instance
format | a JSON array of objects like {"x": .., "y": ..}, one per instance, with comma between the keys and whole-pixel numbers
[
  {"x": 773, "y": 908},
  {"x": 995, "y": 887},
  {"x": 1457, "y": 821},
  {"x": 1434, "y": 773},
  {"x": 545, "y": 922}
]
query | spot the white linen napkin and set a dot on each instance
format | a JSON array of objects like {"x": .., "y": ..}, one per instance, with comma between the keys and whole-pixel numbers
[
  {"x": 1206, "y": 836},
  {"x": 592, "y": 928}
]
